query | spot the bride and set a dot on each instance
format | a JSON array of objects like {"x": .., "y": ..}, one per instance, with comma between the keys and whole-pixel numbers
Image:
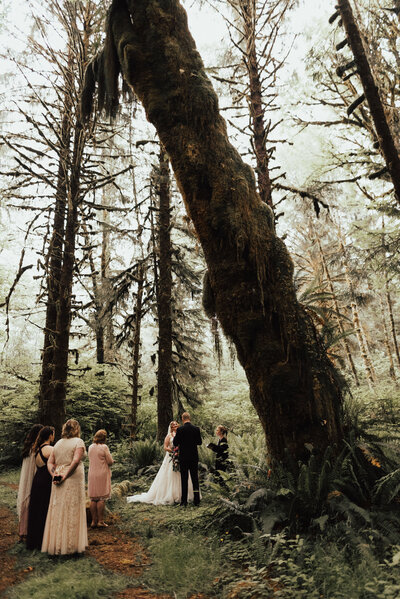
[{"x": 166, "y": 487}]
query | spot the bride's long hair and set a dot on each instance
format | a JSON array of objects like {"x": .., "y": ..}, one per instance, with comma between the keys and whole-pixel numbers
[{"x": 169, "y": 426}]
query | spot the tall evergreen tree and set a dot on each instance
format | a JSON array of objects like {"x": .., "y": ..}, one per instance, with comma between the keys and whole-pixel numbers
[{"x": 164, "y": 297}]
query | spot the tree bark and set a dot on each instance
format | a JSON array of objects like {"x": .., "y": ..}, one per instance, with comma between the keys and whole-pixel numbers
[
  {"x": 369, "y": 370},
  {"x": 55, "y": 251},
  {"x": 293, "y": 385},
  {"x": 388, "y": 297},
  {"x": 391, "y": 319},
  {"x": 56, "y": 406},
  {"x": 337, "y": 312},
  {"x": 136, "y": 353},
  {"x": 98, "y": 325},
  {"x": 257, "y": 113},
  {"x": 392, "y": 373},
  {"x": 385, "y": 137},
  {"x": 164, "y": 301},
  {"x": 106, "y": 342}
]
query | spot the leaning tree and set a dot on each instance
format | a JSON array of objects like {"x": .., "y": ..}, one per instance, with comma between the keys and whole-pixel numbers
[{"x": 249, "y": 285}]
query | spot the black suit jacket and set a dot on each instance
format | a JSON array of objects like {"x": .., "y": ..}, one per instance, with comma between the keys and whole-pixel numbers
[{"x": 187, "y": 438}]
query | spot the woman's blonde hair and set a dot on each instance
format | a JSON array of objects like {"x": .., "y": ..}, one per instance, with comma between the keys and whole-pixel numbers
[
  {"x": 222, "y": 429},
  {"x": 71, "y": 429},
  {"x": 100, "y": 436}
]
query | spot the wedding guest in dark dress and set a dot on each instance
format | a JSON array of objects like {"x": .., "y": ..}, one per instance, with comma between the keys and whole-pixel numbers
[
  {"x": 221, "y": 449},
  {"x": 41, "y": 489}
]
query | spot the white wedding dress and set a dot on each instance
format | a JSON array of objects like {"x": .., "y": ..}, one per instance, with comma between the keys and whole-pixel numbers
[{"x": 166, "y": 487}]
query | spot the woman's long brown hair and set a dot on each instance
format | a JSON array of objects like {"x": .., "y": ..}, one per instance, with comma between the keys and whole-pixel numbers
[{"x": 30, "y": 439}]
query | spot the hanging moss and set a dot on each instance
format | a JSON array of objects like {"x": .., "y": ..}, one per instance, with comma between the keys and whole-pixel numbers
[{"x": 208, "y": 298}]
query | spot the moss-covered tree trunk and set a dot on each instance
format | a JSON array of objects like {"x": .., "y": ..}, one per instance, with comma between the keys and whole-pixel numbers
[
  {"x": 136, "y": 352},
  {"x": 257, "y": 112},
  {"x": 54, "y": 409},
  {"x": 293, "y": 385},
  {"x": 164, "y": 300},
  {"x": 54, "y": 261}
]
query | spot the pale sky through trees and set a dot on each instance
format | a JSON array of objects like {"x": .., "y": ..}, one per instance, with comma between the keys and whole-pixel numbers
[{"x": 211, "y": 37}]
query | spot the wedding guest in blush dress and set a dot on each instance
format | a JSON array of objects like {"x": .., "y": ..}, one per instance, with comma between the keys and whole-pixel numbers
[
  {"x": 41, "y": 489},
  {"x": 65, "y": 531},
  {"x": 25, "y": 480},
  {"x": 99, "y": 478}
]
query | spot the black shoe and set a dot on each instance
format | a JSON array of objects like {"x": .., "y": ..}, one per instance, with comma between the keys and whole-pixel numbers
[{"x": 183, "y": 504}]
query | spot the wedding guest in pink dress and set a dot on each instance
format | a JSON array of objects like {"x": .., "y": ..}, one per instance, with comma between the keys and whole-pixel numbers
[
  {"x": 99, "y": 478},
  {"x": 25, "y": 480}
]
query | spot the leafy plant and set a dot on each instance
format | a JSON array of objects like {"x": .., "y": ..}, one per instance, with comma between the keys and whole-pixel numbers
[
  {"x": 355, "y": 491},
  {"x": 146, "y": 453},
  {"x": 131, "y": 459}
]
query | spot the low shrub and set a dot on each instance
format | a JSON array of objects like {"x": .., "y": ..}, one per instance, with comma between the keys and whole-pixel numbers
[{"x": 130, "y": 459}]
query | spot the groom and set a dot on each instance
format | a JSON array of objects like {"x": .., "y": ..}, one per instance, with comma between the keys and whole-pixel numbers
[{"x": 187, "y": 438}]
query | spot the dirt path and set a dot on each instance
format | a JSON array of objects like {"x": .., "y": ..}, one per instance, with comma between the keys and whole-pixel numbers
[
  {"x": 8, "y": 538},
  {"x": 115, "y": 550}
]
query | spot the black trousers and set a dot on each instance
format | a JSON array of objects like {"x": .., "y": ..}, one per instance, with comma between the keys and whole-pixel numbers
[{"x": 193, "y": 468}]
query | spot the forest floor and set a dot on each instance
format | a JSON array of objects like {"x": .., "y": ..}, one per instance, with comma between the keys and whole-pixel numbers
[
  {"x": 10, "y": 574},
  {"x": 115, "y": 556},
  {"x": 110, "y": 547}
]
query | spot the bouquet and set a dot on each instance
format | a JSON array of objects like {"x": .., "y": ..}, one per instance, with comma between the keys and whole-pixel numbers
[{"x": 175, "y": 459}]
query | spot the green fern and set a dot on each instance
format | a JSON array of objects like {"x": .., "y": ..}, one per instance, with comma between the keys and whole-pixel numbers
[
  {"x": 146, "y": 453},
  {"x": 387, "y": 489}
]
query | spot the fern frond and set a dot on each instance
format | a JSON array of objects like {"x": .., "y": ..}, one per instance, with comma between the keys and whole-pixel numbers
[{"x": 388, "y": 487}]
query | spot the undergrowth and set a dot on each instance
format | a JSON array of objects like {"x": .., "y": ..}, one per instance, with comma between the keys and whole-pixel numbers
[
  {"x": 184, "y": 564},
  {"x": 8, "y": 495},
  {"x": 75, "y": 578},
  {"x": 313, "y": 568}
]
